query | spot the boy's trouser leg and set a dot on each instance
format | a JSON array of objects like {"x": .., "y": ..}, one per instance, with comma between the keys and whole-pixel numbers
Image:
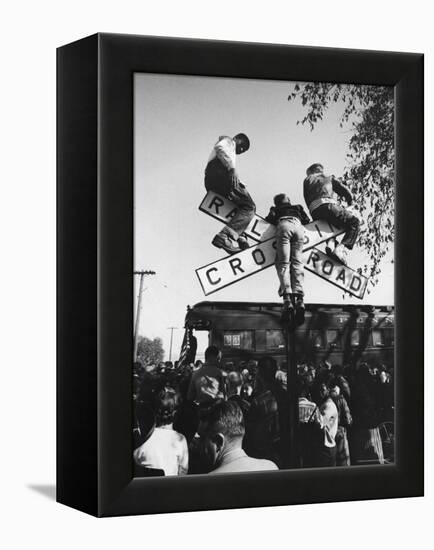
[
  {"x": 283, "y": 255},
  {"x": 297, "y": 266},
  {"x": 340, "y": 218},
  {"x": 228, "y": 185},
  {"x": 246, "y": 208}
]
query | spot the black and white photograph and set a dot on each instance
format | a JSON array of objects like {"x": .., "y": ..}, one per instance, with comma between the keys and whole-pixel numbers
[
  {"x": 216, "y": 260},
  {"x": 264, "y": 310}
]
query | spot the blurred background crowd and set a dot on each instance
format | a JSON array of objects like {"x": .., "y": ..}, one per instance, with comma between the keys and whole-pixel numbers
[{"x": 221, "y": 417}]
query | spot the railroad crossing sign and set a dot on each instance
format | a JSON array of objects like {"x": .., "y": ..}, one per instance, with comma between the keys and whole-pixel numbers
[
  {"x": 223, "y": 209},
  {"x": 234, "y": 268}
]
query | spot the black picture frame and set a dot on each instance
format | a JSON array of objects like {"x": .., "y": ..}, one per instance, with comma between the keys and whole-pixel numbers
[{"x": 95, "y": 283}]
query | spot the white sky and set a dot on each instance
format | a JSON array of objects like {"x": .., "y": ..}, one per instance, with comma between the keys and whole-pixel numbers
[{"x": 177, "y": 120}]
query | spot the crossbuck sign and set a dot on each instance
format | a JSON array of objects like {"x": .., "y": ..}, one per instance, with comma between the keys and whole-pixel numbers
[{"x": 231, "y": 269}]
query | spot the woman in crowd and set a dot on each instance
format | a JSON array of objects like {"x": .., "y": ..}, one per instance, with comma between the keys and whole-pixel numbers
[{"x": 166, "y": 449}]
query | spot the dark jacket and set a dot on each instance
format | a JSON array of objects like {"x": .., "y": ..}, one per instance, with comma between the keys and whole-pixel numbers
[
  {"x": 318, "y": 186},
  {"x": 287, "y": 210},
  {"x": 344, "y": 413}
]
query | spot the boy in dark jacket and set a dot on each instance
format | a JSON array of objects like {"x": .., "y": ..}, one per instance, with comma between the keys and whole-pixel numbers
[
  {"x": 319, "y": 196},
  {"x": 289, "y": 220}
]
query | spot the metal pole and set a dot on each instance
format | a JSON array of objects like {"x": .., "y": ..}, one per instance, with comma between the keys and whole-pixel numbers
[
  {"x": 139, "y": 307},
  {"x": 171, "y": 340},
  {"x": 291, "y": 359}
]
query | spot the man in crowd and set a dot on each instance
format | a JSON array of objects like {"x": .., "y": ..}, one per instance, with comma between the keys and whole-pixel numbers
[
  {"x": 311, "y": 436},
  {"x": 221, "y": 432},
  {"x": 222, "y": 178},
  {"x": 207, "y": 382},
  {"x": 289, "y": 219},
  {"x": 329, "y": 424},
  {"x": 345, "y": 420},
  {"x": 234, "y": 389},
  {"x": 267, "y": 413},
  {"x": 366, "y": 444},
  {"x": 319, "y": 194}
]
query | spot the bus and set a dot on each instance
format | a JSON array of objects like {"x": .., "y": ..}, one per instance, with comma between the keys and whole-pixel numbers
[{"x": 339, "y": 334}]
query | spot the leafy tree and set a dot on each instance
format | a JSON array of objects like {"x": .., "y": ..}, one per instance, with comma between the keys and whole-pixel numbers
[
  {"x": 369, "y": 111},
  {"x": 150, "y": 352}
]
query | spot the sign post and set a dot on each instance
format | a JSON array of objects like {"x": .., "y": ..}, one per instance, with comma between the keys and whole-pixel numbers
[
  {"x": 291, "y": 388},
  {"x": 231, "y": 269}
]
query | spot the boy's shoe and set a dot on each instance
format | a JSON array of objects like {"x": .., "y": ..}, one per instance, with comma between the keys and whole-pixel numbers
[
  {"x": 339, "y": 253},
  {"x": 287, "y": 315},
  {"x": 243, "y": 243},
  {"x": 299, "y": 310},
  {"x": 226, "y": 243}
]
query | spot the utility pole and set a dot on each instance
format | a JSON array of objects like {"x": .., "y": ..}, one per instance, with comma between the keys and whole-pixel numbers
[
  {"x": 139, "y": 307},
  {"x": 171, "y": 340}
]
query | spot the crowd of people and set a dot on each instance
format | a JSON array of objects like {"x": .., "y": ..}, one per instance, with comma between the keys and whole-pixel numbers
[{"x": 214, "y": 417}]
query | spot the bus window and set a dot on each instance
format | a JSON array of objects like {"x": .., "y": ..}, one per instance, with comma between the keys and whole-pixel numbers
[
  {"x": 389, "y": 336},
  {"x": 242, "y": 339},
  {"x": 333, "y": 339},
  {"x": 275, "y": 339},
  {"x": 355, "y": 338},
  {"x": 377, "y": 338},
  {"x": 316, "y": 338},
  {"x": 231, "y": 340}
]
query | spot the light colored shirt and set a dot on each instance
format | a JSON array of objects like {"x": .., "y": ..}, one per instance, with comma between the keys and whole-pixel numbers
[
  {"x": 165, "y": 450},
  {"x": 307, "y": 411},
  {"x": 281, "y": 377},
  {"x": 238, "y": 461},
  {"x": 224, "y": 150},
  {"x": 329, "y": 421}
]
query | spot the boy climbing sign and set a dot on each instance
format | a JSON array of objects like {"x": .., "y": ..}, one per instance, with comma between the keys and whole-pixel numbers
[
  {"x": 319, "y": 194},
  {"x": 222, "y": 178},
  {"x": 289, "y": 220}
]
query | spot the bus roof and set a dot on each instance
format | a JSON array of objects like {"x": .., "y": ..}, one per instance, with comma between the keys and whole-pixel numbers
[
  {"x": 266, "y": 315},
  {"x": 259, "y": 306}
]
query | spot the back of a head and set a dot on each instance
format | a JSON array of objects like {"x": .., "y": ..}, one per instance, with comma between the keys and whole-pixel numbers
[
  {"x": 166, "y": 404},
  {"x": 316, "y": 168},
  {"x": 302, "y": 388},
  {"x": 144, "y": 420},
  {"x": 267, "y": 368},
  {"x": 212, "y": 354},
  {"x": 234, "y": 379},
  {"x": 337, "y": 369},
  {"x": 363, "y": 373},
  {"x": 225, "y": 417},
  {"x": 280, "y": 199}
]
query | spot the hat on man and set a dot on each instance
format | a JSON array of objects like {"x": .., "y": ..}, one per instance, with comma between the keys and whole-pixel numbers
[{"x": 243, "y": 142}]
